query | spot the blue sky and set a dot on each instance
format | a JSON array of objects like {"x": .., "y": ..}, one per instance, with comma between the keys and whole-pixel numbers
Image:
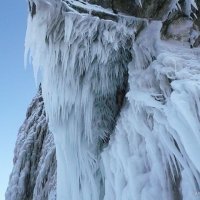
[{"x": 17, "y": 86}]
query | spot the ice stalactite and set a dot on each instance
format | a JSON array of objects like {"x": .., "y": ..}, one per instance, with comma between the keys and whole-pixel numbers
[{"x": 89, "y": 58}]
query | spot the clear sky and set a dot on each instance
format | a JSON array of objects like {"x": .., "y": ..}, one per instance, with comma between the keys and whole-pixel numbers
[{"x": 17, "y": 86}]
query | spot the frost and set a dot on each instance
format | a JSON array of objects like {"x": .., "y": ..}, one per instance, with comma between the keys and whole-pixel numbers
[{"x": 34, "y": 170}]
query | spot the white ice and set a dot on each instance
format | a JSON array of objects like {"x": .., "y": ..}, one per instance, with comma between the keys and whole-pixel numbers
[{"x": 155, "y": 140}]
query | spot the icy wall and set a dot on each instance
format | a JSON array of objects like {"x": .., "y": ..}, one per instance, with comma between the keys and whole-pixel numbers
[
  {"x": 121, "y": 92},
  {"x": 34, "y": 173}
]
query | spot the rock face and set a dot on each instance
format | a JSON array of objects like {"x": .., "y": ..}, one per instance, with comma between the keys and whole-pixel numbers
[
  {"x": 145, "y": 9},
  {"x": 121, "y": 92},
  {"x": 34, "y": 173}
]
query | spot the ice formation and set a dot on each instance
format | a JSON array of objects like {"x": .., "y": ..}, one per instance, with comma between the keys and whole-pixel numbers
[
  {"x": 34, "y": 173},
  {"x": 121, "y": 94}
]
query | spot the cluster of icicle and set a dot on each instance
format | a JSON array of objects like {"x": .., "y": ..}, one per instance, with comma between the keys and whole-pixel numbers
[{"x": 84, "y": 61}]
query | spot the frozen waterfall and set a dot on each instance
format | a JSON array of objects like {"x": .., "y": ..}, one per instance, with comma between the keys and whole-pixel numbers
[{"x": 122, "y": 100}]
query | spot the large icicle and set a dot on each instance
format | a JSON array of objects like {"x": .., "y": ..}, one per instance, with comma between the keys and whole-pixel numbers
[{"x": 84, "y": 64}]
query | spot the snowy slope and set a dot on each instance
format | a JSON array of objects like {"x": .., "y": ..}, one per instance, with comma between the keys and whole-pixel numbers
[
  {"x": 34, "y": 172},
  {"x": 121, "y": 92}
]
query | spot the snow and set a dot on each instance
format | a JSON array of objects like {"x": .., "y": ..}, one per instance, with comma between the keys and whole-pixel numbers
[{"x": 154, "y": 145}]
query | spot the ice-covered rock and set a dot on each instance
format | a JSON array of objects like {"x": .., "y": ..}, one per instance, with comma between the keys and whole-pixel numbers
[
  {"x": 120, "y": 83},
  {"x": 34, "y": 173}
]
